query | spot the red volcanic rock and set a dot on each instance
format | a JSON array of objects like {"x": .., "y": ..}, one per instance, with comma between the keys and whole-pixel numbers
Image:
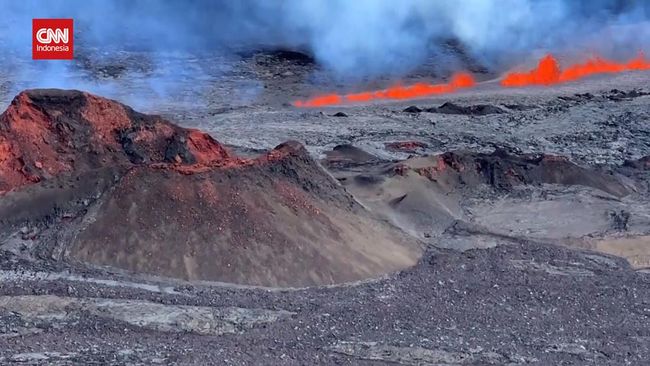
[
  {"x": 284, "y": 150},
  {"x": 406, "y": 146},
  {"x": 44, "y": 133},
  {"x": 204, "y": 148},
  {"x": 503, "y": 170},
  {"x": 118, "y": 188}
]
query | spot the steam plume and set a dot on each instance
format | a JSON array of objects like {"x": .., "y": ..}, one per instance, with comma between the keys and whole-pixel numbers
[{"x": 360, "y": 37}]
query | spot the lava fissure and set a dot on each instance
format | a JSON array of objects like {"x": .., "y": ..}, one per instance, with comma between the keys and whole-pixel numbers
[
  {"x": 458, "y": 81},
  {"x": 547, "y": 72}
]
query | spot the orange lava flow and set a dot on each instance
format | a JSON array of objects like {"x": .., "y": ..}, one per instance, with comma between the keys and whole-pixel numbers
[
  {"x": 419, "y": 90},
  {"x": 549, "y": 72}
]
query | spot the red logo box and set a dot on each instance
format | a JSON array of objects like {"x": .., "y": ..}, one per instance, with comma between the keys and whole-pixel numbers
[{"x": 52, "y": 39}]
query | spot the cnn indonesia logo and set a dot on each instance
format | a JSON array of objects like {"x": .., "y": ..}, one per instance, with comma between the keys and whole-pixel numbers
[{"x": 52, "y": 39}]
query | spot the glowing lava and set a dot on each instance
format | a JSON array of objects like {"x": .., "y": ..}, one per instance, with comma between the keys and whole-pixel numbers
[
  {"x": 549, "y": 72},
  {"x": 419, "y": 90}
]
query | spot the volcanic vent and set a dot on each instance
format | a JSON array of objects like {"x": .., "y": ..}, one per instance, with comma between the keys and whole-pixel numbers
[{"x": 103, "y": 184}]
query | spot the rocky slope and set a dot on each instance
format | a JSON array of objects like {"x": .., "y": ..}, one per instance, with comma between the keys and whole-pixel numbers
[{"x": 91, "y": 180}]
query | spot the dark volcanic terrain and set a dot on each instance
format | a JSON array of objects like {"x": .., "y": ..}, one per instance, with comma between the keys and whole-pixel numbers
[{"x": 487, "y": 227}]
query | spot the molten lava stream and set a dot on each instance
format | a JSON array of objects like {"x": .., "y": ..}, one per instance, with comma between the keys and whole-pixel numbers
[
  {"x": 548, "y": 71},
  {"x": 419, "y": 90}
]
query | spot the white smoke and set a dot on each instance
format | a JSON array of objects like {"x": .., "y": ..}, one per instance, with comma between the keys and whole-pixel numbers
[
  {"x": 376, "y": 36},
  {"x": 347, "y": 37}
]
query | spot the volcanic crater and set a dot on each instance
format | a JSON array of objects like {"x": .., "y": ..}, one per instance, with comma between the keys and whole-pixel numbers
[{"x": 119, "y": 188}]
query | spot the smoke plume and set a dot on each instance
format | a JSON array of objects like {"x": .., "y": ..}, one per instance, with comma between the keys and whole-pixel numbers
[{"x": 348, "y": 38}]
